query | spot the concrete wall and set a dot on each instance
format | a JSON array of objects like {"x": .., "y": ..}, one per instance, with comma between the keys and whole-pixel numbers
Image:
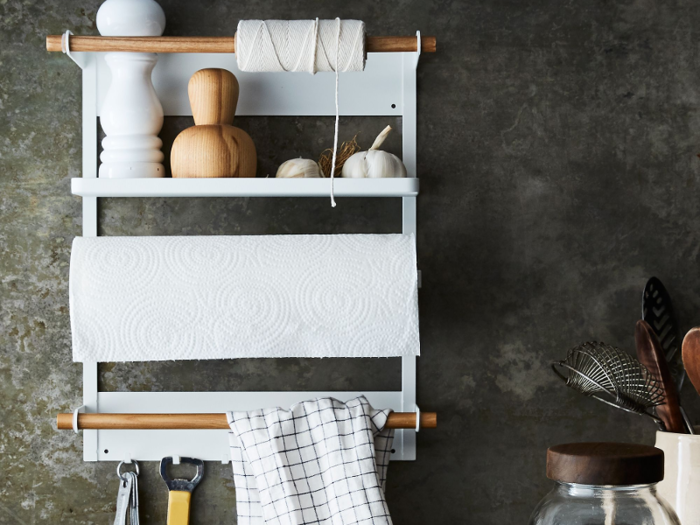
[{"x": 557, "y": 157}]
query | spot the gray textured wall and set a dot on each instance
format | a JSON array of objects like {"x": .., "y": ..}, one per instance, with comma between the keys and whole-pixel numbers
[{"x": 557, "y": 146}]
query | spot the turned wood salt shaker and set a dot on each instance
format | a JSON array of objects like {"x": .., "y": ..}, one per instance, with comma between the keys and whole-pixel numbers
[{"x": 213, "y": 147}]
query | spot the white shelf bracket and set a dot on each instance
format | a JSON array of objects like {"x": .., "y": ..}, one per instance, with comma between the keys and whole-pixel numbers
[
  {"x": 418, "y": 48},
  {"x": 65, "y": 47},
  {"x": 75, "y": 418}
]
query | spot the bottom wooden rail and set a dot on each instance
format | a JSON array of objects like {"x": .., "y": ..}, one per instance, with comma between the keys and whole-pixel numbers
[{"x": 201, "y": 421}]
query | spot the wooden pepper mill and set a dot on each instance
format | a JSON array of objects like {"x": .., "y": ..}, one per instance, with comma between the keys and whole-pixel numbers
[{"x": 213, "y": 147}]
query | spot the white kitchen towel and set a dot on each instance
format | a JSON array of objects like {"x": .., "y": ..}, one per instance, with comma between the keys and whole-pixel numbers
[
  {"x": 322, "y": 462},
  {"x": 223, "y": 297}
]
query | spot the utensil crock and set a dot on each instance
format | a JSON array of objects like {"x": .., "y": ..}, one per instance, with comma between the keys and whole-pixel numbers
[{"x": 681, "y": 484}]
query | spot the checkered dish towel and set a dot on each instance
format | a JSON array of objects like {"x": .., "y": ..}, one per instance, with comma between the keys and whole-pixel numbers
[{"x": 321, "y": 462}]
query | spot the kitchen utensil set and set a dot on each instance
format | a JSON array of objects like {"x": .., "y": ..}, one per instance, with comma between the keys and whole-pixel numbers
[
  {"x": 179, "y": 493},
  {"x": 653, "y": 380}
]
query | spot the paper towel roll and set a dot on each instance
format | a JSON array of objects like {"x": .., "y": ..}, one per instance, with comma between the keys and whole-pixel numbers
[{"x": 222, "y": 297}]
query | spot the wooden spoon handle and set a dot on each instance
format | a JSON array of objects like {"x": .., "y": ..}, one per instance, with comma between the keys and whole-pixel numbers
[{"x": 651, "y": 354}]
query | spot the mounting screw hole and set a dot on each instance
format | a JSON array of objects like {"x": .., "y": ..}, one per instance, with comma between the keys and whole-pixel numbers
[
  {"x": 106, "y": 451},
  {"x": 393, "y": 451},
  {"x": 393, "y": 106}
]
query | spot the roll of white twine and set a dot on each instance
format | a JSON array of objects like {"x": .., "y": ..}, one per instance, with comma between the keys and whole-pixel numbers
[
  {"x": 300, "y": 45},
  {"x": 303, "y": 45}
]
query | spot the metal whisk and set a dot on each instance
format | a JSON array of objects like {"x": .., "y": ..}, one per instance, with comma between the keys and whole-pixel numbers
[{"x": 612, "y": 376}]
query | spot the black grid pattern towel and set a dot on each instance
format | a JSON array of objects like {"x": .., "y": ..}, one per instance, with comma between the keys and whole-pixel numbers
[{"x": 321, "y": 462}]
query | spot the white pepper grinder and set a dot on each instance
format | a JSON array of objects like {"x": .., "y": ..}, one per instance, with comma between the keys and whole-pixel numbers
[{"x": 131, "y": 115}]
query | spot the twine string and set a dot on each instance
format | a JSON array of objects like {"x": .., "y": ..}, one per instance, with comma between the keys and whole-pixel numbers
[{"x": 303, "y": 45}]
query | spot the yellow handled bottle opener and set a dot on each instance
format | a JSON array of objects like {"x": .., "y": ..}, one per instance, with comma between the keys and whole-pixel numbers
[{"x": 180, "y": 490}]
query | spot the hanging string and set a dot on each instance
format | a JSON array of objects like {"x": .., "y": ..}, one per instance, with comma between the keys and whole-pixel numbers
[
  {"x": 337, "y": 119},
  {"x": 303, "y": 45}
]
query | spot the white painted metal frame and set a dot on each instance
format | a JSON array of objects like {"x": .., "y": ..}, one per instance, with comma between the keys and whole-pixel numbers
[
  {"x": 386, "y": 88},
  {"x": 257, "y": 187}
]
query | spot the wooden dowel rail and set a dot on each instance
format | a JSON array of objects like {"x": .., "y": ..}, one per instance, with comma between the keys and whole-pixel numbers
[
  {"x": 214, "y": 44},
  {"x": 200, "y": 421}
]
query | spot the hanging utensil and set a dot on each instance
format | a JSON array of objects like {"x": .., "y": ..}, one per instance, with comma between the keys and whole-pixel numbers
[
  {"x": 128, "y": 496},
  {"x": 691, "y": 356},
  {"x": 657, "y": 310},
  {"x": 612, "y": 376},
  {"x": 180, "y": 490},
  {"x": 651, "y": 355}
]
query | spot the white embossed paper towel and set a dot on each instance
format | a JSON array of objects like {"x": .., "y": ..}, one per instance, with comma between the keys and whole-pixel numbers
[{"x": 223, "y": 297}]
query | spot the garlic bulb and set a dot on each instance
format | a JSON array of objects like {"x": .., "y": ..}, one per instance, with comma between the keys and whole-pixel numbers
[
  {"x": 298, "y": 169},
  {"x": 374, "y": 163}
]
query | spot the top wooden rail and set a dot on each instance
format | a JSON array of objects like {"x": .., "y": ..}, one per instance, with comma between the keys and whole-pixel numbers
[
  {"x": 107, "y": 421},
  {"x": 215, "y": 44}
]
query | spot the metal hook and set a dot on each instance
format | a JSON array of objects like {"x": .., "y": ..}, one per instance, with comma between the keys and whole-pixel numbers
[
  {"x": 75, "y": 418},
  {"x": 65, "y": 47},
  {"x": 119, "y": 467}
]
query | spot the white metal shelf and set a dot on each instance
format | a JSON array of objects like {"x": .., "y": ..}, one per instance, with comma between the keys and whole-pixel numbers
[
  {"x": 95, "y": 187},
  {"x": 387, "y": 87}
]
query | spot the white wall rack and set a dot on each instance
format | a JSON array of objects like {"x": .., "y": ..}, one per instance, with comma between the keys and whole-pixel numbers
[{"x": 387, "y": 87}]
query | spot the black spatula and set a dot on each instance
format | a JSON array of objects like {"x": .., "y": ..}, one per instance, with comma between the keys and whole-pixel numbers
[{"x": 657, "y": 311}]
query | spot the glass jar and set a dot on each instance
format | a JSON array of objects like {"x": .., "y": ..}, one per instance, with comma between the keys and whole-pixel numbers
[{"x": 604, "y": 484}]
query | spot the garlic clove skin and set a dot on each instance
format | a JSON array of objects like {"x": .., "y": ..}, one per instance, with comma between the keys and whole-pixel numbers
[
  {"x": 299, "y": 169},
  {"x": 356, "y": 166},
  {"x": 384, "y": 165},
  {"x": 374, "y": 164}
]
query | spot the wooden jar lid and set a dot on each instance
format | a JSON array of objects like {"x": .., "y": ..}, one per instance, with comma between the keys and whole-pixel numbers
[{"x": 605, "y": 463}]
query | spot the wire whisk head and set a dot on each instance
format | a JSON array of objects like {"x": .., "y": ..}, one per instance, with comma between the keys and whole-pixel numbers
[{"x": 610, "y": 375}]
